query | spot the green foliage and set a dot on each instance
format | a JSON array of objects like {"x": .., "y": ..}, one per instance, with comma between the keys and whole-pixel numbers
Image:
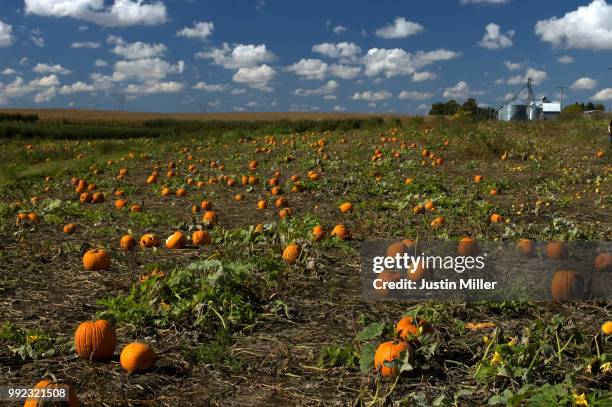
[{"x": 338, "y": 355}]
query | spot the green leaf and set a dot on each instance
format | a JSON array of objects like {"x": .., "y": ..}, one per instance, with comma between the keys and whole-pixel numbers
[
  {"x": 374, "y": 330},
  {"x": 366, "y": 357}
]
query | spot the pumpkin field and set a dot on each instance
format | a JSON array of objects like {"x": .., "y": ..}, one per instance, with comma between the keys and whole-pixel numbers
[{"x": 223, "y": 267}]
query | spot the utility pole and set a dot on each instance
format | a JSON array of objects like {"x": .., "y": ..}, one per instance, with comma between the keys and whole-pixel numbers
[{"x": 561, "y": 94}]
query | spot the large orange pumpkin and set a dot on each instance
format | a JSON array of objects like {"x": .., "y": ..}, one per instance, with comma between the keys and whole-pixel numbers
[
  {"x": 127, "y": 242},
  {"x": 137, "y": 357},
  {"x": 556, "y": 250},
  {"x": 95, "y": 340},
  {"x": 409, "y": 326},
  {"x": 200, "y": 237},
  {"x": 291, "y": 253},
  {"x": 176, "y": 240},
  {"x": 72, "y": 401},
  {"x": 390, "y": 352},
  {"x": 96, "y": 259},
  {"x": 468, "y": 247},
  {"x": 567, "y": 285}
]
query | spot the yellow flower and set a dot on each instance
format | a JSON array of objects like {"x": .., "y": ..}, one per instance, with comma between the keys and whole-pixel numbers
[
  {"x": 496, "y": 358},
  {"x": 606, "y": 367},
  {"x": 33, "y": 338},
  {"x": 580, "y": 400},
  {"x": 164, "y": 306},
  {"x": 513, "y": 341},
  {"x": 486, "y": 340}
]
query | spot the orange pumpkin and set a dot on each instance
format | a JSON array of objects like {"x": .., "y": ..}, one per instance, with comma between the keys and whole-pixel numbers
[
  {"x": 95, "y": 340},
  {"x": 496, "y": 218},
  {"x": 181, "y": 192},
  {"x": 567, "y": 285},
  {"x": 210, "y": 217},
  {"x": 200, "y": 237},
  {"x": 318, "y": 233},
  {"x": 137, "y": 357},
  {"x": 409, "y": 326},
  {"x": 72, "y": 401},
  {"x": 149, "y": 240},
  {"x": 127, "y": 242},
  {"x": 96, "y": 259},
  {"x": 176, "y": 240},
  {"x": 556, "y": 250},
  {"x": 136, "y": 208},
  {"x": 120, "y": 203},
  {"x": 340, "y": 232},
  {"x": 526, "y": 247},
  {"x": 390, "y": 352},
  {"x": 468, "y": 247},
  {"x": 346, "y": 207},
  {"x": 291, "y": 253},
  {"x": 206, "y": 205},
  {"x": 70, "y": 228},
  {"x": 262, "y": 204}
]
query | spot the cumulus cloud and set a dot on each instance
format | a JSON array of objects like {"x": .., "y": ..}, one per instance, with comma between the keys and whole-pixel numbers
[
  {"x": 588, "y": 27},
  {"x": 119, "y": 13},
  {"x": 397, "y": 62},
  {"x": 584, "y": 83},
  {"x": 329, "y": 87},
  {"x": 460, "y": 91},
  {"x": 400, "y": 28},
  {"x": 100, "y": 63},
  {"x": 145, "y": 70},
  {"x": 513, "y": 66},
  {"x": 9, "y": 71},
  {"x": 309, "y": 69},
  {"x": 238, "y": 56},
  {"x": 411, "y": 95},
  {"x": 207, "y": 87},
  {"x": 46, "y": 68},
  {"x": 154, "y": 87},
  {"x": 200, "y": 30},
  {"x": 237, "y": 91},
  {"x": 135, "y": 50},
  {"x": 565, "y": 59},
  {"x": 344, "y": 71},
  {"x": 339, "y": 29},
  {"x": 76, "y": 87},
  {"x": 537, "y": 75},
  {"x": 257, "y": 77},
  {"x": 371, "y": 96},
  {"x": 339, "y": 108},
  {"x": 494, "y": 39},
  {"x": 344, "y": 51},
  {"x": 43, "y": 88},
  {"x": 602, "y": 95},
  {"x": 423, "y": 76},
  {"x": 85, "y": 44}
]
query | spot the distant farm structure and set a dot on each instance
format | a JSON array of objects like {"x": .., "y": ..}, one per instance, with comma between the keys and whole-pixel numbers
[{"x": 529, "y": 110}]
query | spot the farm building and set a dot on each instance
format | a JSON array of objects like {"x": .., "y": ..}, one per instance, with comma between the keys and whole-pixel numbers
[{"x": 516, "y": 109}]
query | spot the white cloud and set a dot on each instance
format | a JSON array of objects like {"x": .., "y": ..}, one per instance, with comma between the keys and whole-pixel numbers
[
  {"x": 339, "y": 29},
  {"x": 9, "y": 71},
  {"x": 339, "y": 108},
  {"x": 135, "y": 50},
  {"x": 397, "y": 62},
  {"x": 24, "y": 61},
  {"x": 309, "y": 69},
  {"x": 460, "y": 91},
  {"x": 256, "y": 77},
  {"x": 145, "y": 70},
  {"x": 46, "y": 68},
  {"x": 513, "y": 66},
  {"x": 400, "y": 28},
  {"x": 119, "y": 13},
  {"x": 405, "y": 94},
  {"x": 537, "y": 75},
  {"x": 45, "y": 95},
  {"x": 494, "y": 39},
  {"x": 330, "y": 97},
  {"x": 584, "y": 83},
  {"x": 423, "y": 76},
  {"x": 85, "y": 44},
  {"x": 237, "y": 91},
  {"x": 240, "y": 56},
  {"x": 588, "y": 27},
  {"x": 344, "y": 71},
  {"x": 604, "y": 94},
  {"x": 483, "y": 1},
  {"x": 38, "y": 40},
  {"x": 565, "y": 59},
  {"x": 100, "y": 63},
  {"x": 423, "y": 106},
  {"x": 211, "y": 87},
  {"x": 83, "y": 28},
  {"x": 154, "y": 87},
  {"x": 329, "y": 87},
  {"x": 44, "y": 88},
  {"x": 344, "y": 51},
  {"x": 76, "y": 87},
  {"x": 371, "y": 96},
  {"x": 200, "y": 30}
]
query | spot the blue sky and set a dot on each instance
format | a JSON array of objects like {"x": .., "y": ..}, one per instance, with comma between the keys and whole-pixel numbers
[{"x": 286, "y": 55}]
